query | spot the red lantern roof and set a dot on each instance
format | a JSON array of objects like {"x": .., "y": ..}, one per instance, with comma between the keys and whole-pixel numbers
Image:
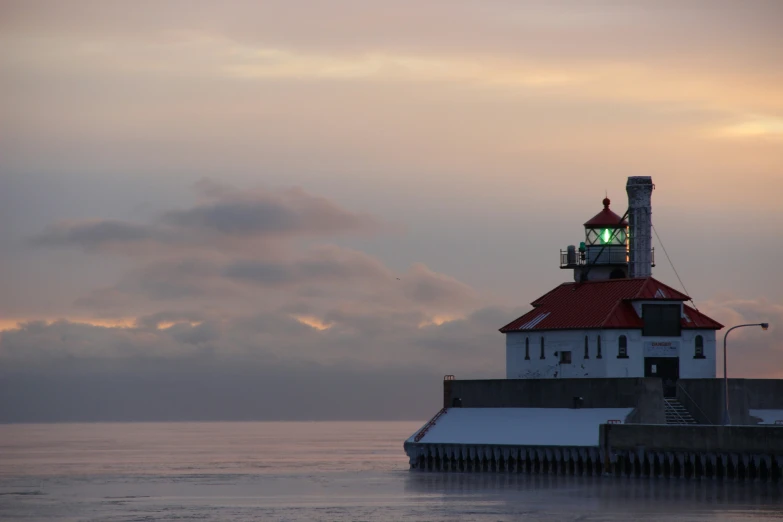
[
  {"x": 606, "y": 218},
  {"x": 603, "y": 304}
]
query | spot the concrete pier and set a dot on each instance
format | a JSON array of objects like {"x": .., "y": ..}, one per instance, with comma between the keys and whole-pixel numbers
[
  {"x": 734, "y": 453},
  {"x": 728, "y": 452},
  {"x": 606, "y": 427}
]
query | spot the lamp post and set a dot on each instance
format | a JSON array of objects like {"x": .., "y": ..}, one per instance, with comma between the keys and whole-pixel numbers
[{"x": 726, "y": 419}]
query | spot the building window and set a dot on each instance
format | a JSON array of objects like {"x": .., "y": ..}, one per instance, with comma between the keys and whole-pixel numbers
[
  {"x": 661, "y": 320},
  {"x": 598, "y": 348},
  {"x": 542, "y": 346},
  {"x": 527, "y": 348},
  {"x": 622, "y": 347},
  {"x": 587, "y": 348},
  {"x": 565, "y": 357},
  {"x": 699, "y": 347}
]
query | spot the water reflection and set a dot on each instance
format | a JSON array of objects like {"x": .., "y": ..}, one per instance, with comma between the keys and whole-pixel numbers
[{"x": 603, "y": 494}]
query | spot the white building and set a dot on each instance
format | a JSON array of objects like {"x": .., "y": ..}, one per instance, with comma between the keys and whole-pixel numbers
[{"x": 615, "y": 320}]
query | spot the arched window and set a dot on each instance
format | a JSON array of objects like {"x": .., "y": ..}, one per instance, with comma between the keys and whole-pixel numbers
[
  {"x": 527, "y": 348},
  {"x": 622, "y": 347},
  {"x": 598, "y": 348},
  {"x": 542, "y": 346},
  {"x": 698, "y": 345},
  {"x": 587, "y": 348}
]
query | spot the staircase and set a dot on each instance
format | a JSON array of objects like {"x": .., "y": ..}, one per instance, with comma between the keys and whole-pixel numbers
[{"x": 676, "y": 412}]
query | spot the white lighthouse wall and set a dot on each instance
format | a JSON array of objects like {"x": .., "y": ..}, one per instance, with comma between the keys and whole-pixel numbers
[
  {"x": 609, "y": 365},
  {"x": 550, "y": 367}
]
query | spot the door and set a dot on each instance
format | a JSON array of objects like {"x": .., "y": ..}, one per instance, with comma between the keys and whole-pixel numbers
[{"x": 665, "y": 368}]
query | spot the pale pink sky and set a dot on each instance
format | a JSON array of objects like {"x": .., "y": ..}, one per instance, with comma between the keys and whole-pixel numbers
[{"x": 247, "y": 180}]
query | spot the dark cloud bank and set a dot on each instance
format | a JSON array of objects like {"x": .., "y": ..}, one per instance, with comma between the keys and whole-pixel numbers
[
  {"x": 160, "y": 390},
  {"x": 76, "y": 372},
  {"x": 239, "y": 308}
]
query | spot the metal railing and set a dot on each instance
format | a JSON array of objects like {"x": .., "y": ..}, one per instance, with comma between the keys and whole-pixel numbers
[
  {"x": 692, "y": 401},
  {"x": 429, "y": 425},
  {"x": 610, "y": 256},
  {"x": 668, "y": 408}
]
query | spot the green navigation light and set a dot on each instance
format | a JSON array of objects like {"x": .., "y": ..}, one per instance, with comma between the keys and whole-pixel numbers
[{"x": 606, "y": 235}]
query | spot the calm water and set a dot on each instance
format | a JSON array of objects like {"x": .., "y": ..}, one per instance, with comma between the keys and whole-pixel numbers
[{"x": 313, "y": 471}]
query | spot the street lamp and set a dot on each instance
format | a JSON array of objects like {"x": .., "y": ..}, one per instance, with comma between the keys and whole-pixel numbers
[{"x": 726, "y": 419}]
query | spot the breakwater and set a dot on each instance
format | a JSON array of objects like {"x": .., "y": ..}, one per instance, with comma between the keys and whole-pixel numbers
[
  {"x": 731, "y": 452},
  {"x": 739, "y": 453},
  {"x": 504, "y": 458}
]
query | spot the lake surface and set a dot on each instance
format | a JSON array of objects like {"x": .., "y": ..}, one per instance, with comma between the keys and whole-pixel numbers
[{"x": 314, "y": 471}]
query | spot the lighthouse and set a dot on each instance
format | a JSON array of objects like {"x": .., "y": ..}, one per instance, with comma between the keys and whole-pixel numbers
[
  {"x": 615, "y": 320},
  {"x": 599, "y": 368}
]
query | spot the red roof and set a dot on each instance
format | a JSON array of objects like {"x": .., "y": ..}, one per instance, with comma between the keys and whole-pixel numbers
[
  {"x": 606, "y": 218},
  {"x": 603, "y": 304}
]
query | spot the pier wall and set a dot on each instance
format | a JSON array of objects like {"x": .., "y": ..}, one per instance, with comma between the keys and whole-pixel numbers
[
  {"x": 695, "y": 438},
  {"x": 704, "y": 398},
  {"x": 730, "y": 452},
  {"x": 643, "y": 394}
]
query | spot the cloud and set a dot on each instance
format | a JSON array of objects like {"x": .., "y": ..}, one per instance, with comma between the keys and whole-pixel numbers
[
  {"x": 323, "y": 264},
  {"x": 607, "y": 72},
  {"x": 227, "y": 218},
  {"x": 160, "y": 319},
  {"x": 358, "y": 337},
  {"x": 267, "y": 63},
  {"x": 49, "y": 343},
  {"x": 260, "y": 366},
  {"x": 322, "y": 286},
  {"x": 756, "y": 127},
  {"x": 194, "y": 282},
  {"x": 200, "y": 334},
  {"x": 289, "y": 213},
  {"x": 424, "y": 286},
  {"x": 174, "y": 279},
  {"x": 290, "y": 300},
  {"x": 260, "y": 272},
  {"x": 160, "y": 390},
  {"x": 94, "y": 234}
]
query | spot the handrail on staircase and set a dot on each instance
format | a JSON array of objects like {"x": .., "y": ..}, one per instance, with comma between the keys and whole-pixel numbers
[
  {"x": 676, "y": 414},
  {"x": 694, "y": 403},
  {"x": 429, "y": 425}
]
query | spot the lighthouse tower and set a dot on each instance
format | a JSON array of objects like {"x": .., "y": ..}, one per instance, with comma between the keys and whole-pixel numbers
[{"x": 604, "y": 252}]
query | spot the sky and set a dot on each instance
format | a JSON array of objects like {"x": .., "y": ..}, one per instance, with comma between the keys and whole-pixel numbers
[{"x": 299, "y": 210}]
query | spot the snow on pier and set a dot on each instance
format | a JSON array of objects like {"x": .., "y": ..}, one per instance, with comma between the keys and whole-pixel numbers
[
  {"x": 768, "y": 416},
  {"x": 520, "y": 426},
  {"x": 513, "y": 439}
]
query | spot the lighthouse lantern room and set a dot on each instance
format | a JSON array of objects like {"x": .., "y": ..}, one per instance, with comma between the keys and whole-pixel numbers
[{"x": 604, "y": 252}]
